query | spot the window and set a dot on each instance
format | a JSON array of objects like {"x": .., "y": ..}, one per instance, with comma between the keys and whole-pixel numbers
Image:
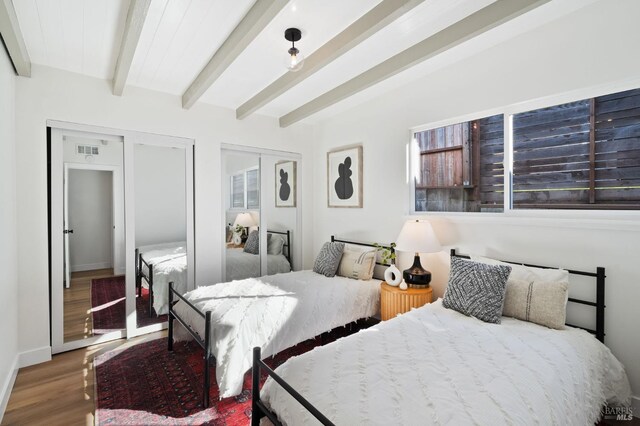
[
  {"x": 583, "y": 154},
  {"x": 578, "y": 155},
  {"x": 460, "y": 167},
  {"x": 245, "y": 189}
]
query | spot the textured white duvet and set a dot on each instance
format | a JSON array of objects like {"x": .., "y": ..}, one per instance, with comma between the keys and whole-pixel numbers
[
  {"x": 274, "y": 312},
  {"x": 436, "y": 366},
  {"x": 169, "y": 264},
  {"x": 241, "y": 265}
]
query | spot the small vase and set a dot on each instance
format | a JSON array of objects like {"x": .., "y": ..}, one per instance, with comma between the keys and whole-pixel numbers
[
  {"x": 392, "y": 275},
  {"x": 237, "y": 238},
  {"x": 403, "y": 285}
]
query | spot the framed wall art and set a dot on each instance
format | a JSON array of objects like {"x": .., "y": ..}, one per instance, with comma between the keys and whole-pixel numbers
[
  {"x": 344, "y": 177},
  {"x": 286, "y": 184}
]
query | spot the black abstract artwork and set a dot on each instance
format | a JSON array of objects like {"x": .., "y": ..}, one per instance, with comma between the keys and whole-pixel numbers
[
  {"x": 344, "y": 177},
  {"x": 344, "y": 184},
  {"x": 285, "y": 177},
  {"x": 285, "y": 188}
]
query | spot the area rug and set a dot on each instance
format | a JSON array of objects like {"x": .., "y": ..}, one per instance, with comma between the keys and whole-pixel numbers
[
  {"x": 108, "y": 308},
  {"x": 148, "y": 385}
]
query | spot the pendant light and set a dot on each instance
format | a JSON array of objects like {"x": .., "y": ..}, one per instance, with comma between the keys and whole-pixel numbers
[{"x": 295, "y": 60}]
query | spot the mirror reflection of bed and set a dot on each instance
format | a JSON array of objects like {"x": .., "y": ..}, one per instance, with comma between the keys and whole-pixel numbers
[
  {"x": 253, "y": 212},
  {"x": 160, "y": 228}
]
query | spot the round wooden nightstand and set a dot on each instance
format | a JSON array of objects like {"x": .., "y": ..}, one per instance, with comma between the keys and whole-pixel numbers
[{"x": 394, "y": 301}]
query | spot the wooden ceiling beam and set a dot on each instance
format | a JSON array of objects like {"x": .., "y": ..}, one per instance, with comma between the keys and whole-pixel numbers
[
  {"x": 371, "y": 22},
  {"x": 473, "y": 25},
  {"x": 13, "y": 40},
  {"x": 130, "y": 38},
  {"x": 258, "y": 17}
]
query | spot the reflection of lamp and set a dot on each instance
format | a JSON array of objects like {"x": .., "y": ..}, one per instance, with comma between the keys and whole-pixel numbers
[
  {"x": 245, "y": 220},
  {"x": 418, "y": 237}
]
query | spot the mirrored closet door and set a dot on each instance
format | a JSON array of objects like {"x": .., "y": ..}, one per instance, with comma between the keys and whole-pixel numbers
[
  {"x": 121, "y": 212},
  {"x": 163, "y": 250},
  {"x": 260, "y": 202}
]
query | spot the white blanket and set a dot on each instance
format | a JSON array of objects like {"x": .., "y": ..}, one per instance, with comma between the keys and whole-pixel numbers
[
  {"x": 274, "y": 312},
  {"x": 241, "y": 265},
  {"x": 169, "y": 262},
  {"x": 436, "y": 366}
]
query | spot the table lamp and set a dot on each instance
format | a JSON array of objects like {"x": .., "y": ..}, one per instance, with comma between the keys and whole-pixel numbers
[
  {"x": 418, "y": 237},
  {"x": 246, "y": 221}
]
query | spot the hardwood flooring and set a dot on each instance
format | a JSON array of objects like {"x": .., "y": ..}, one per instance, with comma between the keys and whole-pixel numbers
[
  {"x": 61, "y": 391},
  {"x": 78, "y": 324}
]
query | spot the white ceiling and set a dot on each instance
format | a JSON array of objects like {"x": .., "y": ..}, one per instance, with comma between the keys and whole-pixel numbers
[{"x": 180, "y": 36}]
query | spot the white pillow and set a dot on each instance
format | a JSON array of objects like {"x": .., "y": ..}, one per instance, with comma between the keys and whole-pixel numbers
[
  {"x": 275, "y": 243},
  {"x": 540, "y": 302},
  {"x": 357, "y": 262},
  {"x": 528, "y": 273}
]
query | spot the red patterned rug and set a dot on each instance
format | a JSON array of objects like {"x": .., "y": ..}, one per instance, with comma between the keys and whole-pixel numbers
[
  {"x": 108, "y": 305},
  {"x": 148, "y": 385}
]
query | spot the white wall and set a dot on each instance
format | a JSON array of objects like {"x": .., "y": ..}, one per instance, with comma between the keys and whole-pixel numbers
[
  {"x": 590, "y": 48},
  {"x": 91, "y": 218},
  {"x": 160, "y": 188},
  {"x": 8, "y": 234},
  {"x": 60, "y": 95}
]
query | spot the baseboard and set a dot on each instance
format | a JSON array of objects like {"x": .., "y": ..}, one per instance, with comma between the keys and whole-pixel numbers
[
  {"x": 34, "y": 356},
  {"x": 90, "y": 266},
  {"x": 7, "y": 387}
]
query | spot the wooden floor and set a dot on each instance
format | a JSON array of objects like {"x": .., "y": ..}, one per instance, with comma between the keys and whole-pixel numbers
[
  {"x": 60, "y": 392},
  {"x": 77, "y": 304}
]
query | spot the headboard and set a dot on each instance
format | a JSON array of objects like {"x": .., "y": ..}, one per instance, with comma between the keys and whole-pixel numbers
[
  {"x": 598, "y": 304},
  {"x": 287, "y": 244},
  {"x": 359, "y": 243}
]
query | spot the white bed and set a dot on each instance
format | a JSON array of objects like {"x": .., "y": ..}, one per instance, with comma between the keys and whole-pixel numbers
[
  {"x": 436, "y": 366},
  {"x": 273, "y": 312},
  {"x": 241, "y": 265},
  {"x": 169, "y": 264}
]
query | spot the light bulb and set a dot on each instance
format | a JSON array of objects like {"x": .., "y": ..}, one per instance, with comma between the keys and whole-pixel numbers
[{"x": 295, "y": 61}]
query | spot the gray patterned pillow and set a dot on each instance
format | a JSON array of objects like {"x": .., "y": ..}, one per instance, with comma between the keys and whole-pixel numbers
[
  {"x": 253, "y": 243},
  {"x": 328, "y": 259},
  {"x": 476, "y": 289}
]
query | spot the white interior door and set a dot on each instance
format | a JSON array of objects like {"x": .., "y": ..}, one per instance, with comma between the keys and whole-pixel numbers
[{"x": 67, "y": 227}]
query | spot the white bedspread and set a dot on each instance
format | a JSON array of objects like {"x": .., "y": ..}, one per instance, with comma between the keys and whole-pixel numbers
[
  {"x": 169, "y": 262},
  {"x": 241, "y": 265},
  {"x": 274, "y": 312},
  {"x": 436, "y": 366}
]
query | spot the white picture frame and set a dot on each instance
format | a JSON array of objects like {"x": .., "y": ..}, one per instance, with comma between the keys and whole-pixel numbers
[{"x": 344, "y": 177}]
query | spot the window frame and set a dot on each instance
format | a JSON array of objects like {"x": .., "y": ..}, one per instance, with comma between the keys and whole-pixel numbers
[
  {"x": 509, "y": 111},
  {"x": 245, "y": 201}
]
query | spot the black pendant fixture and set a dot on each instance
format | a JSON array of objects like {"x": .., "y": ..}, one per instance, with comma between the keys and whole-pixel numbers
[{"x": 295, "y": 60}]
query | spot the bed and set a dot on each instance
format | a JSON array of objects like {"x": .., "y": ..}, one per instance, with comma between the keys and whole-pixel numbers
[
  {"x": 156, "y": 266},
  {"x": 241, "y": 265},
  {"x": 435, "y": 365},
  {"x": 273, "y": 312}
]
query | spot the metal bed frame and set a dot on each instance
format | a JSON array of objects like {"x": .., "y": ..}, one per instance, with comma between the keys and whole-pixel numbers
[
  {"x": 205, "y": 343},
  {"x": 259, "y": 409},
  {"x": 148, "y": 275}
]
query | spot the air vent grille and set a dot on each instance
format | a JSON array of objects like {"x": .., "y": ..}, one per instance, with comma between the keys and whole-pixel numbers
[{"x": 88, "y": 150}]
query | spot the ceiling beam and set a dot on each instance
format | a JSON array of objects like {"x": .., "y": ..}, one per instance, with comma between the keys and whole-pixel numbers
[
  {"x": 133, "y": 28},
  {"x": 256, "y": 19},
  {"x": 371, "y": 22},
  {"x": 473, "y": 25},
  {"x": 12, "y": 37}
]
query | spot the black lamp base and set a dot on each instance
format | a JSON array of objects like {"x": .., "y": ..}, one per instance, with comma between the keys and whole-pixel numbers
[{"x": 417, "y": 276}]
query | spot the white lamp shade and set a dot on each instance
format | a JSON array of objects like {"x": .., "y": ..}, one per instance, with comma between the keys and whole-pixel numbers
[
  {"x": 244, "y": 219},
  {"x": 418, "y": 237}
]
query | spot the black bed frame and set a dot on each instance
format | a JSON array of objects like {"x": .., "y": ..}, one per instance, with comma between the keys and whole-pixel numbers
[
  {"x": 259, "y": 410},
  {"x": 148, "y": 276},
  {"x": 205, "y": 343}
]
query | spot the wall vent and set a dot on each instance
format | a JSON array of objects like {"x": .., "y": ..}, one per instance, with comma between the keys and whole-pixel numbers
[{"x": 88, "y": 150}]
